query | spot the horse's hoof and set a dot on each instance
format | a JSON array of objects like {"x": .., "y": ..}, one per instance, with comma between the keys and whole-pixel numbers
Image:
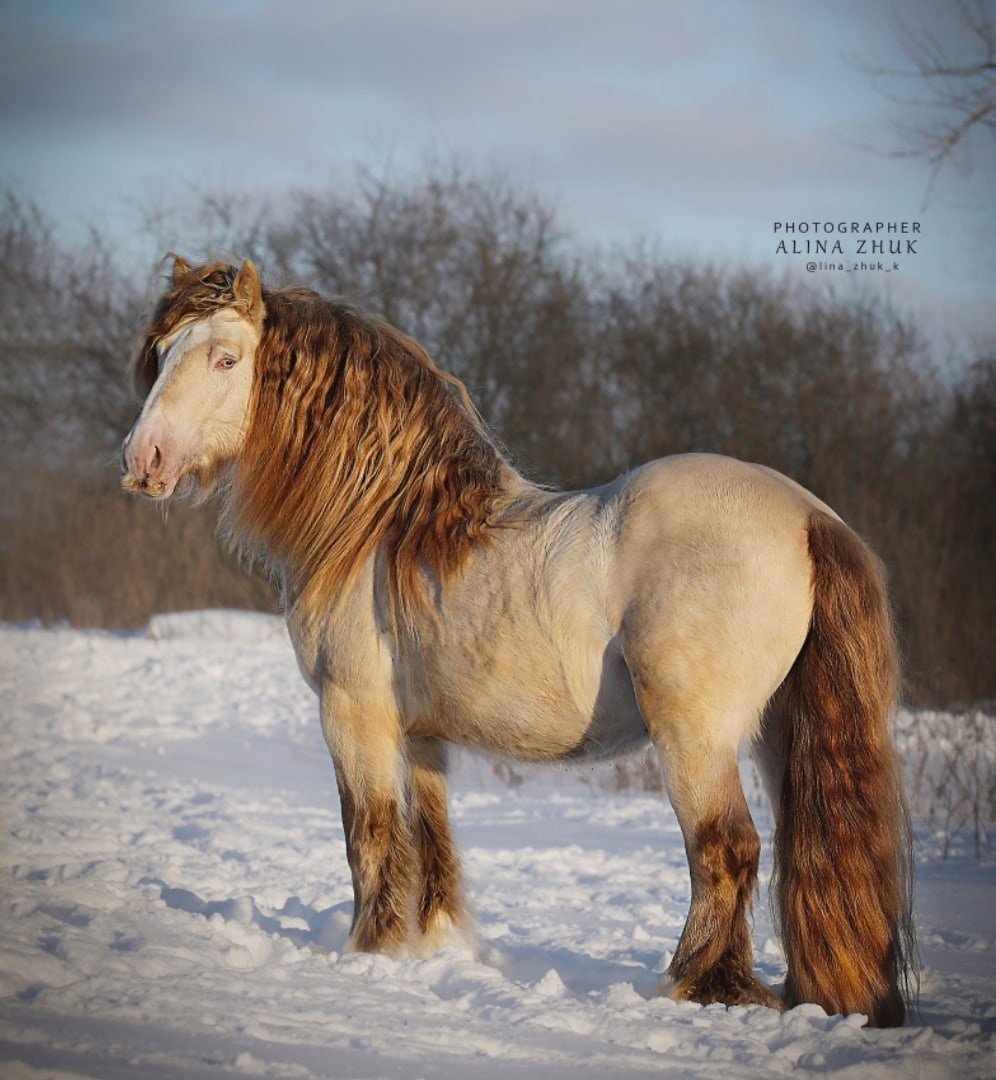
[
  {"x": 726, "y": 983},
  {"x": 442, "y": 931}
]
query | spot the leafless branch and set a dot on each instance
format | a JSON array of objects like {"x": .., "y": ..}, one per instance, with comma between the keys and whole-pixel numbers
[{"x": 956, "y": 96}]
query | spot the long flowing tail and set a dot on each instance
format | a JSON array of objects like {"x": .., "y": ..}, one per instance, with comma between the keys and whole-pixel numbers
[{"x": 843, "y": 843}]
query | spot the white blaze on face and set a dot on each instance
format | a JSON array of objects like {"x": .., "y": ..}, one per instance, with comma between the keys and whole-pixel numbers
[{"x": 196, "y": 413}]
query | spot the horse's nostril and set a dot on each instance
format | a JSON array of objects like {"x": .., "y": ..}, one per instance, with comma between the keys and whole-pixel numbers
[{"x": 157, "y": 460}]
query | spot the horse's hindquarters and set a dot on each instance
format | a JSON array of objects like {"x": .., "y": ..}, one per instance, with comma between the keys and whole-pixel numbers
[{"x": 714, "y": 582}]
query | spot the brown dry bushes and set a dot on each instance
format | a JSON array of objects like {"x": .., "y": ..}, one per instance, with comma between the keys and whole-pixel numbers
[{"x": 585, "y": 364}]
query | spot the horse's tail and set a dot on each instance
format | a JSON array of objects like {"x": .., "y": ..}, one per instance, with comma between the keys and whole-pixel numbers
[{"x": 843, "y": 842}]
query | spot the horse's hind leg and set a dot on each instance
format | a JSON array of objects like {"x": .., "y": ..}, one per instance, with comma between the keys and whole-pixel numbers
[
  {"x": 768, "y": 752},
  {"x": 439, "y": 897},
  {"x": 714, "y": 958}
]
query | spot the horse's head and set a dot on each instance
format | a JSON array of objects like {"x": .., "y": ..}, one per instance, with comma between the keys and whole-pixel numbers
[{"x": 196, "y": 370}]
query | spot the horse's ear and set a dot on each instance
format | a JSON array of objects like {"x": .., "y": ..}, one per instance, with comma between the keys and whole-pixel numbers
[
  {"x": 180, "y": 267},
  {"x": 248, "y": 291}
]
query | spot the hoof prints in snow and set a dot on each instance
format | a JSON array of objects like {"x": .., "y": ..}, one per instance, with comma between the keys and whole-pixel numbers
[{"x": 303, "y": 926}]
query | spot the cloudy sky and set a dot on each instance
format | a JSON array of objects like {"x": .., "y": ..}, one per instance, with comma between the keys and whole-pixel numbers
[{"x": 696, "y": 125}]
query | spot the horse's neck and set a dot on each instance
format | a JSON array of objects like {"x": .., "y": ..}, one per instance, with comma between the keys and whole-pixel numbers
[
  {"x": 521, "y": 503},
  {"x": 517, "y": 489}
]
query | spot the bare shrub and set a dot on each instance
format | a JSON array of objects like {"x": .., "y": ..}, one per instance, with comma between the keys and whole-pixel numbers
[
  {"x": 585, "y": 364},
  {"x": 949, "y": 764},
  {"x": 949, "y": 771},
  {"x": 637, "y": 772},
  {"x": 78, "y": 550},
  {"x": 476, "y": 270},
  {"x": 67, "y": 320}
]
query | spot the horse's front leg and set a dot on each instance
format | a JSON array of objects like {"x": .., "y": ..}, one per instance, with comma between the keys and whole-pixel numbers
[
  {"x": 370, "y": 768},
  {"x": 439, "y": 896}
]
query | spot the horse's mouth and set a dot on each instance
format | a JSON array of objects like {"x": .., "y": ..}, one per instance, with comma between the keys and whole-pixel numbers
[{"x": 147, "y": 487}]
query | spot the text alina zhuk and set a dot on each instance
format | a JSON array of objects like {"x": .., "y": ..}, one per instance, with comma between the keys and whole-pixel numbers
[{"x": 836, "y": 247}]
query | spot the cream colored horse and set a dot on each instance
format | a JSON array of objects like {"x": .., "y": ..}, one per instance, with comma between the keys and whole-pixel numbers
[{"x": 433, "y": 595}]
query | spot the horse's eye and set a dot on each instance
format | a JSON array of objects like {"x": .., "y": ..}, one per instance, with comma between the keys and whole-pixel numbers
[{"x": 226, "y": 363}]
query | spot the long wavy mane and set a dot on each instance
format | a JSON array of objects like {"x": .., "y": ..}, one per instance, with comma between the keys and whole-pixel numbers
[{"x": 355, "y": 439}]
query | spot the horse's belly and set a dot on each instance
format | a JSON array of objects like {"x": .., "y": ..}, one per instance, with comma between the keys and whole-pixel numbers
[{"x": 539, "y": 709}]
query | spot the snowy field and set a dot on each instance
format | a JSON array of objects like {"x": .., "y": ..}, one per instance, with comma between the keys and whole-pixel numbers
[{"x": 174, "y": 900}]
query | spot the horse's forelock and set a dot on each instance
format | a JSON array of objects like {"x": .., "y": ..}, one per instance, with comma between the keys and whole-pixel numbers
[{"x": 198, "y": 292}]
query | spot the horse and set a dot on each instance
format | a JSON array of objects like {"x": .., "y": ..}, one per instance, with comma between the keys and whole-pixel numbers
[{"x": 435, "y": 596}]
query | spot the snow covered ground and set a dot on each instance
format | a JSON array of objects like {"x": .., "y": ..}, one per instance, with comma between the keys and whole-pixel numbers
[{"x": 174, "y": 899}]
